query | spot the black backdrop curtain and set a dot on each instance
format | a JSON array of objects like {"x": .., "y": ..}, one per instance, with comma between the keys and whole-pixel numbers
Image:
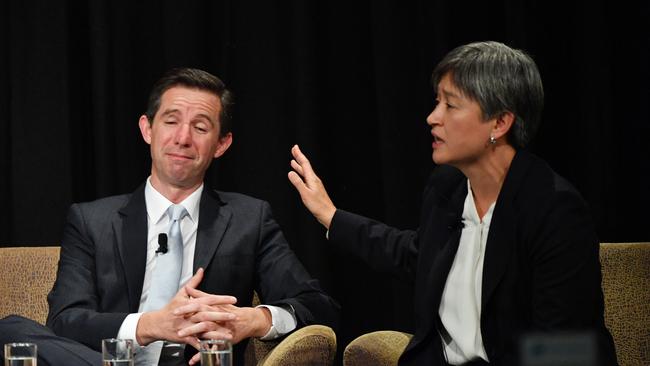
[{"x": 347, "y": 80}]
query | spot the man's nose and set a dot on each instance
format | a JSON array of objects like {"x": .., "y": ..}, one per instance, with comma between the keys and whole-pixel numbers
[{"x": 183, "y": 135}]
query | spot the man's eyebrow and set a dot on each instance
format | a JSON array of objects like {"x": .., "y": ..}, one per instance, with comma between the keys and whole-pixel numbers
[
  {"x": 167, "y": 112},
  {"x": 205, "y": 116}
]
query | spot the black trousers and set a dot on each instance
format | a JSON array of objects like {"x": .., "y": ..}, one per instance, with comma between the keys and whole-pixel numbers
[{"x": 52, "y": 349}]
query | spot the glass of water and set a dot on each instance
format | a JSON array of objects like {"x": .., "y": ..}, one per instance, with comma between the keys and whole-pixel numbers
[
  {"x": 117, "y": 352},
  {"x": 20, "y": 354},
  {"x": 216, "y": 352}
]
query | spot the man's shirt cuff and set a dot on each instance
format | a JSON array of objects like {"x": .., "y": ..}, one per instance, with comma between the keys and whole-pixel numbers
[
  {"x": 129, "y": 327},
  {"x": 282, "y": 321}
]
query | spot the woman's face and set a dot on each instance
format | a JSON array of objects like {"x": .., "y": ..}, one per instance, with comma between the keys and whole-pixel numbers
[{"x": 460, "y": 135}]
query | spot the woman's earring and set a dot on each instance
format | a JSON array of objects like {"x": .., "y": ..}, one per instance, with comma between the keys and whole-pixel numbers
[{"x": 493, "y": 140}]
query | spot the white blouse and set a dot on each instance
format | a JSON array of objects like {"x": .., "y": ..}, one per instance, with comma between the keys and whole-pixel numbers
[{"x": 460, "y": 306}]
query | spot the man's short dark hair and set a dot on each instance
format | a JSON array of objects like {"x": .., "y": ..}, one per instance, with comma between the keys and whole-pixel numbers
[
  {"x": 197, "y": 79},
  {"x": 499, "y": 79}
]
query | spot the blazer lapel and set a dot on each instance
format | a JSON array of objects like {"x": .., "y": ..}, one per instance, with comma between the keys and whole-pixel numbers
[
  {"x": 214, "y": 219},
  {"x": 131, "y": 235},
  {"x": 445, "y": 258},
  {"x": 501, "y": 238},
  {"x": 445, "y": 237}
]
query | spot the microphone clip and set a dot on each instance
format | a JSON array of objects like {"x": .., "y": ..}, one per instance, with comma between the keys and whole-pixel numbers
[{"x": 162, "y": 243}]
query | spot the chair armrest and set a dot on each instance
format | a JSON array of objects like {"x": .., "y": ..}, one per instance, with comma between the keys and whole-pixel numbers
[
  {"x": 310, "y": 345},
  {"x": 377, "y": 348}
]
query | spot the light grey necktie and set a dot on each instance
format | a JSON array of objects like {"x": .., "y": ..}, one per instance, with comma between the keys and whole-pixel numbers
[{"x": 167, "y": 274}]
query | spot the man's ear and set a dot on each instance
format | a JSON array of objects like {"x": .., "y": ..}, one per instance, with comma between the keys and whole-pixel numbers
[
  {"x": 224, "y": 144},
  {"x": 145, "y": 128},
  {"x": 503, "y": 124}
]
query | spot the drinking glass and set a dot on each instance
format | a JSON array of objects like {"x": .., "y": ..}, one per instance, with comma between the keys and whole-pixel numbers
[
  {"x": 20, "y": 354},
  {"x": 216, "y": 352},
  {"x": 117, "y": 352}
]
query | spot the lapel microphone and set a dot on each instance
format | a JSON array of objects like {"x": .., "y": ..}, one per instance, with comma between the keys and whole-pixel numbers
[
  {"x": 455, "y": 223},
  {"x": 162, "y": 243}
]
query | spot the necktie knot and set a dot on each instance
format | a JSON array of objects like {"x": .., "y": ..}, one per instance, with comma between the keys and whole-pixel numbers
[{"x": 176, "y": 212}]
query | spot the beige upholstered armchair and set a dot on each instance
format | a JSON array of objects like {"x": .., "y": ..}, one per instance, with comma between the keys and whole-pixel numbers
[
  {"x": 626, "y": 285},
  {"x": 29, "y": 272}
]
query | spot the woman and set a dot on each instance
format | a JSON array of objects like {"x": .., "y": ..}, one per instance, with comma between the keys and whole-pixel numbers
[{"x": 505, "y": 246}]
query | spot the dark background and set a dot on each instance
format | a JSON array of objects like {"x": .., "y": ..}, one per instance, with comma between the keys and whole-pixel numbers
[{"x": 347, "y": 80}]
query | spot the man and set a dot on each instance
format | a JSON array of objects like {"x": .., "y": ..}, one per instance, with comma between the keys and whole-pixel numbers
[{"x": 116, "y": 252}]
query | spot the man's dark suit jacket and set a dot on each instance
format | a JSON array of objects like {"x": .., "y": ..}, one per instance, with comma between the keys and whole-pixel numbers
[
  {"x": 240, "y": 246},
  {"x": 541, "y": 269}
]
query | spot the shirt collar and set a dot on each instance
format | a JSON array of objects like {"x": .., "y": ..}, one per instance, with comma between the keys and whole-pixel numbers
[
  {"x": 157, "y": 204},
  {"x": 470, "y": 214}
]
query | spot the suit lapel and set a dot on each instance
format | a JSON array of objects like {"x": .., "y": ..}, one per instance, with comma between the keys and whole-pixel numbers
[
  {"x": 501, "y": 238},
  {"x": 214, "y": 218},
  {"x": 131, "y": 236}
]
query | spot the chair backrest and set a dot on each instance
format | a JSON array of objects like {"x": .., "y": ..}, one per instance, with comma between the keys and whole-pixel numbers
[
  {"x": 28, "y": 274},
  {"x": 626, "y": 286}
]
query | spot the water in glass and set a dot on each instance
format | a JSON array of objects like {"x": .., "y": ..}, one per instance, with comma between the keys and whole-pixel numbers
[
  {"x": 118, "y": 363},
  {"x": 216, "y": 358},
  {"x": 20, "y": 361}
]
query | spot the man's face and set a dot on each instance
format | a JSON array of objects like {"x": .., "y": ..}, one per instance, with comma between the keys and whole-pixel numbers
[{"x": 184, "y": 137}]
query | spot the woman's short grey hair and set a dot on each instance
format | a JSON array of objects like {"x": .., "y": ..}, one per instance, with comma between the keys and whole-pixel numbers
[{"x": 499, "y": 79}]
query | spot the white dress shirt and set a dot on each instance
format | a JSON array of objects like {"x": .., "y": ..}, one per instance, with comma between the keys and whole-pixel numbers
[
  {"x": 158, "y": 222},
  {"x": 460, "y": 306}
]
